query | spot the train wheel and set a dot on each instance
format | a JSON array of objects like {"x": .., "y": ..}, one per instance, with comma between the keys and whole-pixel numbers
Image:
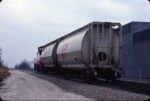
[
  {"x": 89, "y": 76},
  {"x": 34, "y": 67},
  {"x": 114, "y": 79},
  {"x": 40, "y": 70},
  {"x": 43, "y": 69},
  {"x": 37, "y": 69}
]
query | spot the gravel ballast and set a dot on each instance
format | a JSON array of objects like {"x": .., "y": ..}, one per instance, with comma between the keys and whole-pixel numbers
[
  {"x": 30, "y": 85},
  {"x": 92, "y": 91}
]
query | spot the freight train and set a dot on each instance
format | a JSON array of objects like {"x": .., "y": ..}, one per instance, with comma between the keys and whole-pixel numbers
[{"x": 92, "y": 51}]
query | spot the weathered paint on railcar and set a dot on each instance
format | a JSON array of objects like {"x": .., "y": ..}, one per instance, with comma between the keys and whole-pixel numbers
[{"x": 95, "y": 47}]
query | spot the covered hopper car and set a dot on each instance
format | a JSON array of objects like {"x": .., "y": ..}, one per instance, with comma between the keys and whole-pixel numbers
[{"x": 93, "y": 50}]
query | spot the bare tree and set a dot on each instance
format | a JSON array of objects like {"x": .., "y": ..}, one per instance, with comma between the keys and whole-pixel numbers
[{"x": 1, "y": 62}]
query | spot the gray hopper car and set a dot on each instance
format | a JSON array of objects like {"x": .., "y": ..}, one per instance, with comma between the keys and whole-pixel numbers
[{"x": 93, "y": 50}]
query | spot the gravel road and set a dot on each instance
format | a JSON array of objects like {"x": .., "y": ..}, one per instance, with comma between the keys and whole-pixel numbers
[
  {"x": 22, "y": 86},
  {"x": 29, "y": 85}
]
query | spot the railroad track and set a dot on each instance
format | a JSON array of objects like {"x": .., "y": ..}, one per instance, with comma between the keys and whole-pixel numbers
[
  {"x": 137, "y": 87},
  {"x": 123, "y": 85}
]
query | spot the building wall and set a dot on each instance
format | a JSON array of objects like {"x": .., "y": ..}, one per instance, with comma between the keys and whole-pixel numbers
[{"x": 136, "y": 51}]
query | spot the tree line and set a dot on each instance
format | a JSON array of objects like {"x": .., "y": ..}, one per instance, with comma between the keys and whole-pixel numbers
[{"x": 23, "y": 65}]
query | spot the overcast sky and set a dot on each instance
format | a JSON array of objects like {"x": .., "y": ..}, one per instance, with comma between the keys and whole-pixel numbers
[{"x": 27, "y": 24}]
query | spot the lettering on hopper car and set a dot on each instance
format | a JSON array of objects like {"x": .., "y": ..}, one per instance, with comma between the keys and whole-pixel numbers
[{"x": 64, "y": 50}]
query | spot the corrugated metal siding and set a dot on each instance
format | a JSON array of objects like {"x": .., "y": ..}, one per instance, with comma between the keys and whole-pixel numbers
[
  {"x": 136, "y": 55},
  {"x": 141, "y": 36}
]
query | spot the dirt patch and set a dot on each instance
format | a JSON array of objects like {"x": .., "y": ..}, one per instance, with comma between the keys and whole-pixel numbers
[
  {"x": 22, "y": 86},
  {"x": 3, "y": 73}
]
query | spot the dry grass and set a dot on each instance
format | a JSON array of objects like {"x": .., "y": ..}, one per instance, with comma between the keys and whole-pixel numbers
[{"x": 3, "y": 72}]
